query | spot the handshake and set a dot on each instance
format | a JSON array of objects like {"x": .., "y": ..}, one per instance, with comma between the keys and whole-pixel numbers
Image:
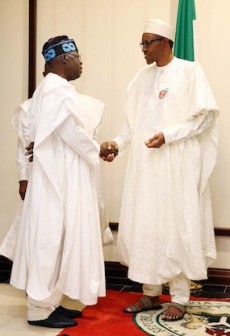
[{"x": 108, "y": 151}]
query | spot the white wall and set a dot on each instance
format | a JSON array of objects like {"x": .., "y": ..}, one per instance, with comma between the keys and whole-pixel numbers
[
  {"x": 214, "y": 54},
  {"x": 107, "y": 33},
  {"x": 13, "y": 90}
]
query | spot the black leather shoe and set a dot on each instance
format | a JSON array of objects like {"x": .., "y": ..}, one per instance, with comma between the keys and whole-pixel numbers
[
  {"x": 54, "y": 320},
  {"x": 71, "y": 313}
]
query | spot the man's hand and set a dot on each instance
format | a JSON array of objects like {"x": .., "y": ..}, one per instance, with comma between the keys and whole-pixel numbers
[
  {"x": 156, "y": 141},
  {"x": 22, "y": 188},
  {"x": 29, "y": 151},
  {"x": 109, "y": 150}
]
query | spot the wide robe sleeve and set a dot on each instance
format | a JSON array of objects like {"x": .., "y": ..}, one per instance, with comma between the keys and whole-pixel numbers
[
  {"x": 191, "y": 128},
  {"x": 75, "y": 137},
  {"x": 60, "y": 115},
  {"x": 201, "y": 122},
  {"x": 21, "y": 124},
  {"x": 202, "y": 110}
]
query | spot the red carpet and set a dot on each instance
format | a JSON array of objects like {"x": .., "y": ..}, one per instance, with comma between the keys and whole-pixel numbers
[{"x": 107, "y": 319}]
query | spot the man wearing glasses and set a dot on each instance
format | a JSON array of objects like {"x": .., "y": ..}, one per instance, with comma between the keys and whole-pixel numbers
[{"x": 165, "y": 228}]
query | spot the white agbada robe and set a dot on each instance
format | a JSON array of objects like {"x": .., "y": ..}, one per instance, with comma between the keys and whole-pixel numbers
[
  {"x": 21, "y": 124},
  {"x": 59, "y": 243},
  {"x": 166, "y": 226}
]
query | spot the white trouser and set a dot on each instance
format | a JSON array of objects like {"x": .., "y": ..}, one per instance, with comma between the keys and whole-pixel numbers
[
  {"x": 179, "y": 289},
  {"x": 40, "y": 310}
]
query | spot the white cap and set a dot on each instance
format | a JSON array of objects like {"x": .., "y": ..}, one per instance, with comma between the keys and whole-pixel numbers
[{"x": 161, "y": 28}]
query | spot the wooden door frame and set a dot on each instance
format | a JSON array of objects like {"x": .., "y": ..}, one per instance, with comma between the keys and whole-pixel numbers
[{"x": 32, "y": 47}]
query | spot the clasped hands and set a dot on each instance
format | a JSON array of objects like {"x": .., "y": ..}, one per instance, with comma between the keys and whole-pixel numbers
[{"x": 108, "y": 151}]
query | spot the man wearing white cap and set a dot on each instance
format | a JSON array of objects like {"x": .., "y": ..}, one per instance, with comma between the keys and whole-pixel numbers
[{"x": 165, "y": 228}]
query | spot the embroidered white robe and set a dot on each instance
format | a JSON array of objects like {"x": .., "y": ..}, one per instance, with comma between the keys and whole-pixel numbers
[{"x": 166, "y": 225}]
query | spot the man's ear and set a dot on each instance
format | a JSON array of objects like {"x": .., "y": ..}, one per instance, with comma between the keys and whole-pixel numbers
[
  {"x": 64, "y": 58},
  {"x": 165, "y": 41}
]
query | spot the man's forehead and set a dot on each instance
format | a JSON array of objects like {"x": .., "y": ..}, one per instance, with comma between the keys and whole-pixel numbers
[
  {"x": 74, "y": 53},
  {"x": 149, "y": 36}
]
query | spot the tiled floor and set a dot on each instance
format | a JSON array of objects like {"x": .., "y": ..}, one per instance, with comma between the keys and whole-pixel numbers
[{"x": 13, "y": 314}]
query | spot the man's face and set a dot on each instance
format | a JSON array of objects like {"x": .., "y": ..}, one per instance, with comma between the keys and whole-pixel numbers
[
  {"x": 151, "y": 47},
  {"x": 74, "y": 65}
]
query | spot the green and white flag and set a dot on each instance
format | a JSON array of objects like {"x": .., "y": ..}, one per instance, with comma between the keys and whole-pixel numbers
[{"x": 184, "y": 40}]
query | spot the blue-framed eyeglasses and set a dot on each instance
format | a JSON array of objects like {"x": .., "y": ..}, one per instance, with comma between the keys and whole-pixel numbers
[{"x": 146, "y": 43}]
